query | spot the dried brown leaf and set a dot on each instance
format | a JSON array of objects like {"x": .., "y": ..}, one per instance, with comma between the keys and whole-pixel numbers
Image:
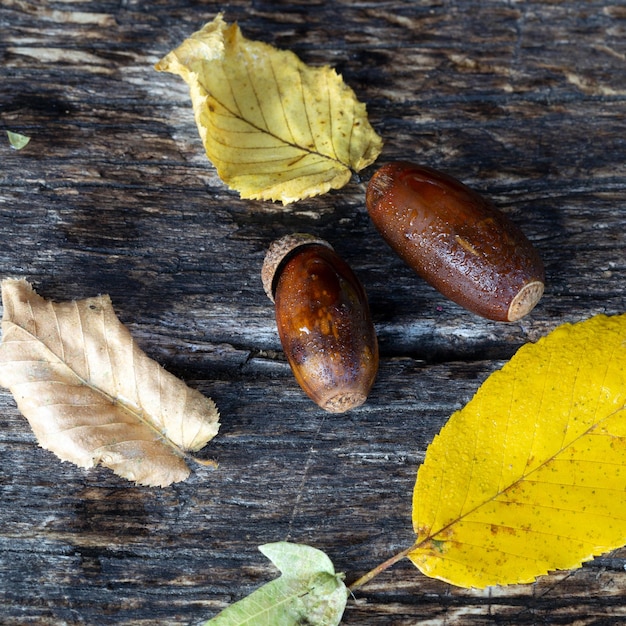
[{"x": 91, "y": 395}]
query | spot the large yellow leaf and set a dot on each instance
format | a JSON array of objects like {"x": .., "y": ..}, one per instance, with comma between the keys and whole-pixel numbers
[
  {"x": 531, "y": 475},
  {"x": 274, "y": 128},
  {"x": 91, "y": 395}
]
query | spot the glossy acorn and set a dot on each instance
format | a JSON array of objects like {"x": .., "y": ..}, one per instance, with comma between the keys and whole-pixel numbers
[
  {"x": 323, "y": 321},
  {"x": 456, "y": 240}
]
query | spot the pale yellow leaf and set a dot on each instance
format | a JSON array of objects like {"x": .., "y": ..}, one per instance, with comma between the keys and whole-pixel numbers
[
  {"x": 275, "y": 128},
  {"x": 531, "y": 475},
  {"x": 91, "y": 395}
]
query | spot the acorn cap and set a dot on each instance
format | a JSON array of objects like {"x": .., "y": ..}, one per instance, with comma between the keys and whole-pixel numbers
[{"x": 279, "y": 250}]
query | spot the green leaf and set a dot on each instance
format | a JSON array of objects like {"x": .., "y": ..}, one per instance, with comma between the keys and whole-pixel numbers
[
  {"x": 17, "y": 140},
  {"x": 308, "y": 592}
]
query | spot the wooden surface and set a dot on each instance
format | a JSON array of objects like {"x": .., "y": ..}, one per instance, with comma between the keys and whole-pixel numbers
[{"x": 524, "y": 101}]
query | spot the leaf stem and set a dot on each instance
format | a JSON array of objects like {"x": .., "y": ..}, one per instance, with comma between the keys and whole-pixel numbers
[
  {"x": 379, "y": 569},
  {"x": 206, "y": 462}
]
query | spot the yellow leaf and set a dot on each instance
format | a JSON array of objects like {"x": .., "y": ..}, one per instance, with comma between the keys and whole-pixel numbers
[
  {"x": 274, "y": 128},
  {"x": 531, "y": 475},
  {"x": 91, "y": 395}
]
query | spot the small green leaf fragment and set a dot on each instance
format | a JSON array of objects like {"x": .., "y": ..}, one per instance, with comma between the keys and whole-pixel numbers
[
  {"x": 308, "y": 592},
  {"x": 298, "y": 560},
  {"x": 17, "y": 140}
]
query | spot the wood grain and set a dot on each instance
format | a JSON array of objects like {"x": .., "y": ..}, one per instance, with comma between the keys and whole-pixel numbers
[{"x": 524, "y": 101}]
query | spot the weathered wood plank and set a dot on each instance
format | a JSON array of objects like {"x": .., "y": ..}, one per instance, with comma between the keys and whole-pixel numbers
[{"x": 524, "y": 101}]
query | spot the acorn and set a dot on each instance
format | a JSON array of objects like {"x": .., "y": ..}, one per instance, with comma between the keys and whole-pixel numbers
[
  {"x": 323, "y": 321},
  {"x": 456, "y": 240}
]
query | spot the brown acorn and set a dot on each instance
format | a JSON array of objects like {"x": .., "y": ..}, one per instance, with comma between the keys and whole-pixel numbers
[
  {"x": 456, "y": 240},
  {"x": 323, "y": 321}
]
